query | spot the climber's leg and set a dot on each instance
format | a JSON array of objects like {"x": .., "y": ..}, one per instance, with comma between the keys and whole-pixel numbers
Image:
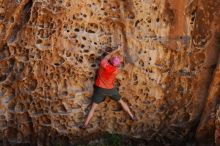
[
  {"x": 90, "y": 115},
  {"x": 98, "y": 97},
  {"x": 126, "y": 108},
  {"x": 115, "y": 96}
]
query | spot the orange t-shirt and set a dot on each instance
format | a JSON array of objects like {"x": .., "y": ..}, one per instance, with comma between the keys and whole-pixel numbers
[{"x": 106, "y": 75}]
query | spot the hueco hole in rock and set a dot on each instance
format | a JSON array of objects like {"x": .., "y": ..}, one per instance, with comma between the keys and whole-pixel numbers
[{"x": 51, "y": 55}]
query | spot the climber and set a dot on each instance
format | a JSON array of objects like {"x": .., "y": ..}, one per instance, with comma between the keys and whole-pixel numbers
[{"x": 104, "y": 84}]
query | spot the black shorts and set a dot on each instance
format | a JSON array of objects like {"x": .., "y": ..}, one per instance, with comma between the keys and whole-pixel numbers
[{"x": 100, "y": 93}]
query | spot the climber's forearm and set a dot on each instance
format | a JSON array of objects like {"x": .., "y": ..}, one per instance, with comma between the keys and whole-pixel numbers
[{"x": 112, "y": 53}]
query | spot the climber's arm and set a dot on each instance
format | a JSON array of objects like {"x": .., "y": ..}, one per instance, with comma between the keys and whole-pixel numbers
[
  {"x": 117, "y": 52},
  {"x": 104, "y": 62},
  {"x": 111, "y": 54}
]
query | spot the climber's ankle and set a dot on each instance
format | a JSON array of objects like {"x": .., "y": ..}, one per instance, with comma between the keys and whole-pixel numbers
[{"x": 83, "y": 126}]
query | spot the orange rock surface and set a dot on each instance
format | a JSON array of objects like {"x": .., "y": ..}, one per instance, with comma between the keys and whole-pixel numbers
[{"x": 50, "y": 51}]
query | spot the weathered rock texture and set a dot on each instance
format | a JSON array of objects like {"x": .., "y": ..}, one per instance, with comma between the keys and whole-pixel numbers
[{"x": 50, "y": 51}]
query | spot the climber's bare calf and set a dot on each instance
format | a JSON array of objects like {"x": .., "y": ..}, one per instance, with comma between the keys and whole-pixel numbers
[
  {"x": 126, "y": 108},
  {"x": 90, "y": 115},
  {"x": 104, "y": 85}
]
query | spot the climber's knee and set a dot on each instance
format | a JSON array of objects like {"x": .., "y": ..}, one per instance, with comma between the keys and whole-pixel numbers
[{"x": 120, "y": 101}]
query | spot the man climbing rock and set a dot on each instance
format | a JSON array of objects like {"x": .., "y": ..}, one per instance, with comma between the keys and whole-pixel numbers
[{"x": 104, "y": 84}]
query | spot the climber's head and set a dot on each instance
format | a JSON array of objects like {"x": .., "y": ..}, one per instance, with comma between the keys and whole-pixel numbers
[{"x": 115, "y": 61}]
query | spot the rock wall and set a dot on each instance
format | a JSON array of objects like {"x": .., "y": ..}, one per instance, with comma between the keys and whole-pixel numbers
[{"x": 50, "y": 51}]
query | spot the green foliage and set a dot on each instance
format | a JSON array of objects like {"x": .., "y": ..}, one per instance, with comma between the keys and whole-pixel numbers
[
  {"x": 107, "y": 140},
  {"x": 58, "y": 144},
  {"x": 113, "y": 140}
]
